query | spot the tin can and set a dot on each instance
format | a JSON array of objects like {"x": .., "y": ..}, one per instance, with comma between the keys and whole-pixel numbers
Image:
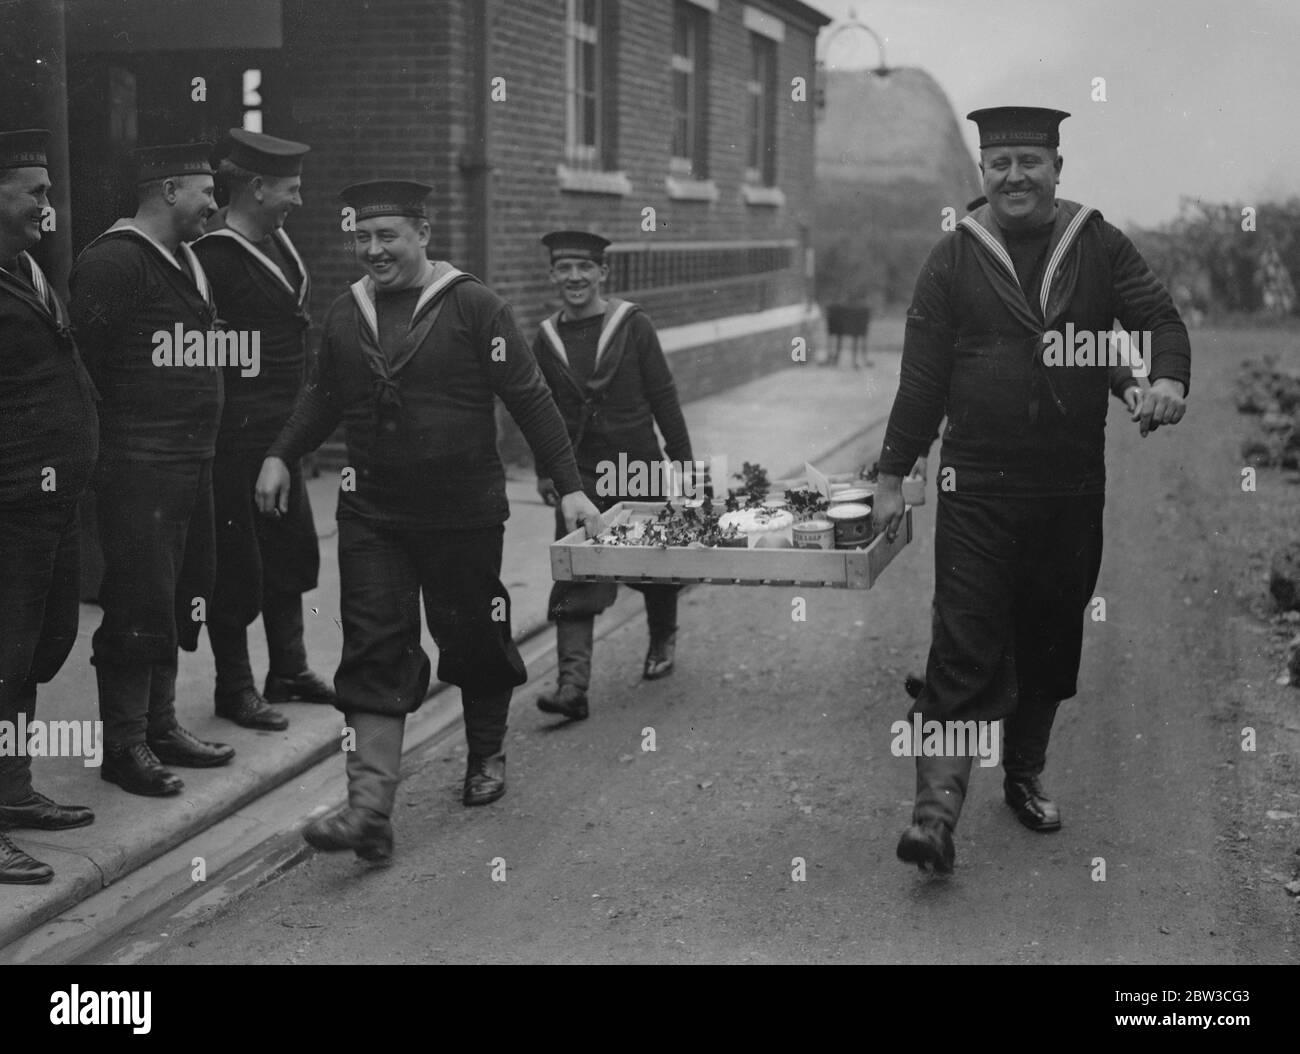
[
  {"x": 852, "y": 525},
  {"x": 814, "y": 534},
  {"x": 854, "y": 496}
]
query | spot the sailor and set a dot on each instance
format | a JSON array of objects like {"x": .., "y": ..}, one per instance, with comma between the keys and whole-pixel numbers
[
  {"x": 49, "y": 438},
  {"x": 1018, "y": 535},
  {"x": 602, "y": 359},
  {"x": 134, "y": 288},
  {"x": 410, "y": 361},
  {"x": 264, "y": 564}
]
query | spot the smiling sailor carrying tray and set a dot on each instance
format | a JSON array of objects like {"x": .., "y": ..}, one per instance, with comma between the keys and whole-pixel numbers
[
  {"x": 410, "y": 360},
  {"x": 602, "y": 359},
  {"x": 1018, "y": 535}
]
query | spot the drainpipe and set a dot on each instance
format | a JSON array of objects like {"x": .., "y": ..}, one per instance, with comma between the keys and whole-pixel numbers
[{"x": 474, "y": 164}]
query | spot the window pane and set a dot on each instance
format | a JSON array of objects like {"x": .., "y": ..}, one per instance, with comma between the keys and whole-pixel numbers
[
  {"x": 587, "y": 66},
  {"x": 681, "y": 30},
  {"x": 681, "y": 92}
]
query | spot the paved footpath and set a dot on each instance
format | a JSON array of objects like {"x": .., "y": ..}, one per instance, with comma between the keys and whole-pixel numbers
[{"x": 781, "y": 420}]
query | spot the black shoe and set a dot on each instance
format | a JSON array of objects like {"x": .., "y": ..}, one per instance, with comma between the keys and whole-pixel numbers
[
  {"x": 37, "y": 812},
  {"x": 185, "y": 750},
  {"x": 249, "y": 710},
  {"x": 928, "y": 845},
  {"x": 567, "y": 699},
  {"x": 659, "y": 659},
  {"x": 485, "y": 779},
  {"x": 1033, "y": 808},
  {"x": 363, "y": 831},
  {"x": 137, "y": 770},
  {"x": 303, "y": 687},
  {"x": 19, "y": 869}
]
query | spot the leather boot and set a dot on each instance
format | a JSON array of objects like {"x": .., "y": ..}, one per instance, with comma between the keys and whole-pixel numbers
[
  {"x": 485, "y": 779},
  {"x": 19, "y": 869},
  {"x": 135, "y": 769},
  {"x": 366, "y": 833},
  {"x": 573, "y": 646},
  {"x": 249, "y": 710},
  {"x": 1031, "y": 804},
  {"x": 37, "y": 812},
  {"x": 928, "y": 845},
  {"x": 303, "y": 687},
  {"x": 1026, "y": 735},
  {"x": 941, "y": 784},
  {"x": 373, "y": 768}
]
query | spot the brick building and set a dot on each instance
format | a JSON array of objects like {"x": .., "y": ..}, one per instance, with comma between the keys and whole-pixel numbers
[{"x": 525, "y": 115}]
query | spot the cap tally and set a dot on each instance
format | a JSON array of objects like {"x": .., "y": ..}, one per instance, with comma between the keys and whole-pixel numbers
[
  {"x": 25, "y": 148},
  {"x": 1018, "y": 126},
  {"x": 174, "y": 159},
  {"x": 580, "y": 244},
  {"x": 387, "y": 197}
]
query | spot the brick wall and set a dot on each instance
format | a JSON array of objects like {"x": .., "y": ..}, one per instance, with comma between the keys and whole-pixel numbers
[
  {"x": 528, "y": 136},
  {"x": 377, "y": 87},
  {"x": 386, "y": 88}
]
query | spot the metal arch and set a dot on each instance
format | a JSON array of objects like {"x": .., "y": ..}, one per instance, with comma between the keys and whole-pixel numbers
[{"x": 854, "y": 23}]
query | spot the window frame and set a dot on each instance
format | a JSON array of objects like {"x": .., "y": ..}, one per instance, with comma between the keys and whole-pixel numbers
[
  {"x": 601, "y": 38},
  {"x": 760, "y": 87},
  {"x": 695, "y": 164}
]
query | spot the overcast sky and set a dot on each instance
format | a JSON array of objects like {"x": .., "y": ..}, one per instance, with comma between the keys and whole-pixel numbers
[{"x": 1203, "y": 96}]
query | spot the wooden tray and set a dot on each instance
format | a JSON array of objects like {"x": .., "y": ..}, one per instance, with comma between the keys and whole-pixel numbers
[{"x": 574, "y": 558}]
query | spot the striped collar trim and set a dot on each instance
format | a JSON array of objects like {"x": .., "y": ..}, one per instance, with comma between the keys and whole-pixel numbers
[
  {"x": 608, "y": 330},
  {"x": 39, "y": 281},
  {"x": 1062, "y": 247},
  {"x": 198, "y": 275},
  {"x": 993, "y": 242},
  {"x": 363, "y": 292},
  {"x": 270, "y": 265}
]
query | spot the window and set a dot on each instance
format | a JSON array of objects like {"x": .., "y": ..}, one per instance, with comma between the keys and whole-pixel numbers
[
  {"x": 252, "y": 100},
  {"x": 762, "y": 110},
  {"x": 690, "y": 91},
  {"x": 589, "y": 129}
]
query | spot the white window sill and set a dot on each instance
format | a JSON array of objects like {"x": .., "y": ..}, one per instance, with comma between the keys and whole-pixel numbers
[
  {"x": 588, "y": 181},
  {"x": 770, "y": 197},
  {"x": 682, "y": 189}
]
